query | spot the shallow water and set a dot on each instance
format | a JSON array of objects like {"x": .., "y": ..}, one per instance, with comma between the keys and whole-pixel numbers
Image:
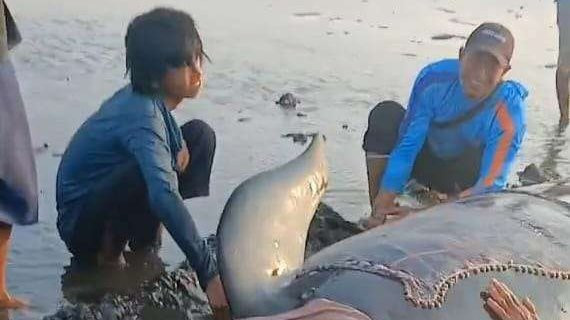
[{"x": 339, "y": 57}]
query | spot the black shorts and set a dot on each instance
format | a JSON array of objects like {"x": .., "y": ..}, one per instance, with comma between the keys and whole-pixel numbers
[{"x": 443, "y": 175}]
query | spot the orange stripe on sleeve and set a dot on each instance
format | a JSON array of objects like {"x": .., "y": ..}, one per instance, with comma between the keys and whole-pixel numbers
[{"x": 506, "y": 123}]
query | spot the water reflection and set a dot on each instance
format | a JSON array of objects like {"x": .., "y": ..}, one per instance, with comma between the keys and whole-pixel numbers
[{"x": 83, "y": 283}]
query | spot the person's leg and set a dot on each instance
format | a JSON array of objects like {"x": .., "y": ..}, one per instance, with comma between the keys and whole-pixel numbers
[
  {"x": 375, "y": 166},
  {"x": 427, "y": 169},
  {"x": 563, "y": 93},
  {"x": 132, "y": 222},
  {"x": 118, "y": 209},
  {"x": 563, "y": 69},
  {"x": 450, "y": 176},
  {"x": 201, "y": 141},
  {"x": 466, "y": 168},
  {"x": 6, "y": 301},
  {"x": 102, "y": 229},
  {"x": 97, "y": 242},
  {"x": 379, "y": 140},
  {"x": 113, "y": 244},
  {"x": 145, "y": 238}
]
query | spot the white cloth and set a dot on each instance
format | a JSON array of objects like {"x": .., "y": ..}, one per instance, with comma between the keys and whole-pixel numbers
[
  {"x": 18, "y": 179},
  {"x": 17, "y": 163}
]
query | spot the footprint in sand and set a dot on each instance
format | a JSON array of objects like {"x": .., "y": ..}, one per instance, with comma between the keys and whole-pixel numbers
[
  {"x": 465, "y": 23},
  {"x": 41, "y": 149},
  {"x": 447, "y": 36},
  {"x": 446, "y": 10},
  {"x": 309, "y": 14}
]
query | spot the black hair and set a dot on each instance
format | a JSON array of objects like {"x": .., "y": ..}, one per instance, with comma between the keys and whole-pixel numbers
[{"x": 157, "y": 40}]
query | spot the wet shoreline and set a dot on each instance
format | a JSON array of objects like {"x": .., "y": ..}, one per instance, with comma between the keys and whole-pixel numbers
[
  {"x": 175, "y": 294},
  {"x": 339, "y": 57}
]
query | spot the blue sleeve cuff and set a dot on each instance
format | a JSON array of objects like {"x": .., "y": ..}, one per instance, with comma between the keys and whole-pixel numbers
[
  {"x": 388, "y": 185},
  {"x": 209, "y": 268}
]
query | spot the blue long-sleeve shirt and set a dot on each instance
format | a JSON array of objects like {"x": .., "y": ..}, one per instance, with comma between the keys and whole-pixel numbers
[
  {"x": 437, "y": 97},
  {"x": 131, "y": 126}
]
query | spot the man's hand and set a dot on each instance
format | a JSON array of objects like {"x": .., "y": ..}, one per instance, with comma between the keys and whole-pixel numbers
[
  {"x": 502, "y": 304},
  {"x": 384, "y": 208},
  {"x": 183, "y": 158},
  {"x": 389, "y": 215},
  {"x": 217, "y": 298}
]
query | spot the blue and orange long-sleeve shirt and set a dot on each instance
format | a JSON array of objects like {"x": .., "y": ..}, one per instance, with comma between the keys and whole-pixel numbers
[{"x": 437, "y": 97}]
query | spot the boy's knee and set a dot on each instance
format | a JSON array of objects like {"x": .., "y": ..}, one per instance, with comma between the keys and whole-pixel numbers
[
  {"x": 198, "y": 131},
  {"x": 386, "y": 113},
  {"x": 389, "y": 106}
]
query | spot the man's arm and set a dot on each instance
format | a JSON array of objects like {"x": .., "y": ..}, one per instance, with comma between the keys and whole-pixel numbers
[
  {"x": 415, "y": 127},
  {"x": 402, "y": 158},
  {"x": 414, "y": 130},
  {"x": 503, "y": 143},
  {"x": 146, "y": 141}
]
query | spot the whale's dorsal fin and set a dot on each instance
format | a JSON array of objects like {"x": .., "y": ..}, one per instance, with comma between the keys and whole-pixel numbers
[{"x": 263, "y": 229}]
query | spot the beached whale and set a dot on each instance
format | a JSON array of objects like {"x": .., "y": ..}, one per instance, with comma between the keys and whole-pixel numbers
[
  {"x": 428, "y": 266},
  {"x": 173, "y": 295},
  {"x": 431, "y": 265}
]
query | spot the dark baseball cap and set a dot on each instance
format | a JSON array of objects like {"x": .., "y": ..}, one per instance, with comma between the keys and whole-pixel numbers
[{"x": 493, "y": 38}]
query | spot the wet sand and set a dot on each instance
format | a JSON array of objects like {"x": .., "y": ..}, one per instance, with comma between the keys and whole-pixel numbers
[{"x": 339, "y": 57}]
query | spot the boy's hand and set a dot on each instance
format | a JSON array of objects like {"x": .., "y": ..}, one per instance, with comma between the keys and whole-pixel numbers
[{"x": 183, "y": 158}]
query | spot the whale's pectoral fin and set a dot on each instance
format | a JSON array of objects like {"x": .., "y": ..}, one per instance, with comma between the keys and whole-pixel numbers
[{"x": 263, "y": 230}]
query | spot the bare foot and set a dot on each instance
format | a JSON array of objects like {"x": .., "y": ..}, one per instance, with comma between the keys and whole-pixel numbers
[
  {"x": 111, "y": 262},
  {"x": 7, "y": 302},
  {"x": 563, "y": 123}
]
